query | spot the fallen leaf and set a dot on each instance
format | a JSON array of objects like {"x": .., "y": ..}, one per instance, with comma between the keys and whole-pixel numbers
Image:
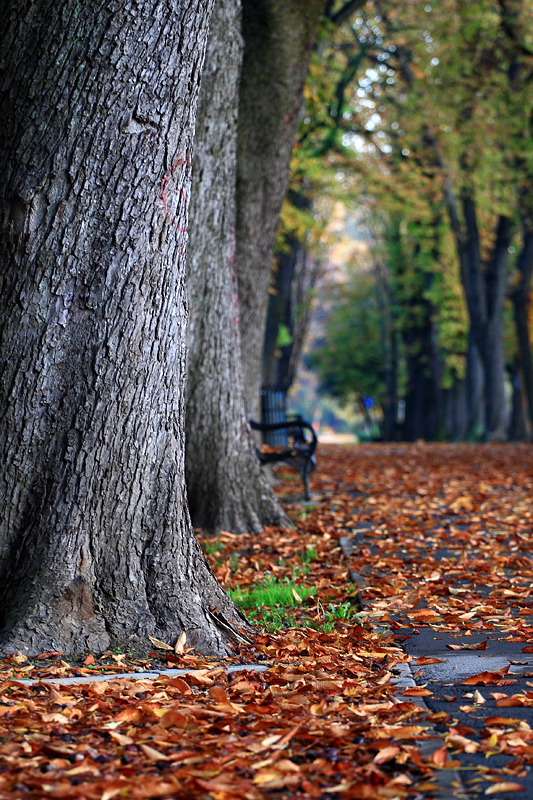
[
  {"x": 387, "y": 754},
  {"x": 505, "y": 786},
  {"x": 159, "y": 645},
  {"x": 478, "y": 646},
  {"x": 179, "y": 647},
  {"x": 486, "y": 678},
  {"x": 152, "y": 754}
]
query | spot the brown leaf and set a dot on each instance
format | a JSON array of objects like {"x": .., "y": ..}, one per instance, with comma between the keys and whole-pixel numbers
[
  {"x": 486, "y": 678},
  {"x": 387, "y": 754},
  {"x": 152, "y": 754},
  {"x": 19, "y": 658},
  {"x": 179, "y": 647},
  {"x": 159, "y": 645}
]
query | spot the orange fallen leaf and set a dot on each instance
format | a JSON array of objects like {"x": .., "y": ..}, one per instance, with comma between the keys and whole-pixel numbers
[
  {"x": 416, "y": 691},
  {"x": 486, "y": 678},
  {"x": 505, "y": 786},
  {"x": 387, "y": 754},
  {"x": 439, "y": 756},
  {"x": 502, "y": 721}
]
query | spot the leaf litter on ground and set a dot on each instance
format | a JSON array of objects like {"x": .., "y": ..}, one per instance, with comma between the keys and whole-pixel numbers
[{"x": 325, "y": 719}]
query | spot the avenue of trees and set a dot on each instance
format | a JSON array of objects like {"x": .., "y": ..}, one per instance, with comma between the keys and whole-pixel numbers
[
  {"x": 144, "y": 158},
  {"x": 97, "y": 157},
  {"x": 426, "y": 114}
]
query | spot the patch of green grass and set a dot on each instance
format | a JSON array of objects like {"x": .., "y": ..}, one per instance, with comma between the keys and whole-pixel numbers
[
  {"x": 308, "y": 555},
  {"x": 213, "y": 547},
  {"x": 272, "y": 593},
  {"x": 271, "y": 619}
]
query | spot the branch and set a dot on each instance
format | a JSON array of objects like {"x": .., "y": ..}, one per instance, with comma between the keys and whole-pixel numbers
[
  {"x": 511, "y": 26},
  {"x": 338, "y": 17}
]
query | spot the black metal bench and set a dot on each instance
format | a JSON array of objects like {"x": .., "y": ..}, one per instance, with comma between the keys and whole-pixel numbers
[{"x": 292, "y": 441}]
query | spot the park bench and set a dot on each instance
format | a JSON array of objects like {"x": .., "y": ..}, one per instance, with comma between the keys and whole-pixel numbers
[{"x": 292, "y": 441}]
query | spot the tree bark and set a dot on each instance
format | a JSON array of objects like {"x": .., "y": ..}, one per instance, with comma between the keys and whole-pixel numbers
[
  {"x": 295, "y": 274},
  {"x": 96, "y": 547},
  {"x": 278, "y": 41},
  {"x": 226, "y": 488},
  {"x": 497, "y": 415},
  {"x": 520, "y": 298}
]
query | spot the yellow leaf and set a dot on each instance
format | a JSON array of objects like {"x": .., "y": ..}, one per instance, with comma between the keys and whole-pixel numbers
[
  {"x": 267, "y": 775},
  {"x": 19, "y": 658},
  {"x": 296, "y": 595}
]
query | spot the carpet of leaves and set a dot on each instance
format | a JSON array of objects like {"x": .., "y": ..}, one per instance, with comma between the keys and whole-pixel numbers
[{"x": 324, "y": 721}]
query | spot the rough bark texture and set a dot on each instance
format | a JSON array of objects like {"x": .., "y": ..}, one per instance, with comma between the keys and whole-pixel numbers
[
  {"x": 96, "y": 547},
  {"x": 278, "y": 40},
  {"x": 226, "y": 488}
]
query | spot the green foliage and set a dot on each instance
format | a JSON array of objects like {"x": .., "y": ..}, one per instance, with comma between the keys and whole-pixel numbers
[
  {"x": 308, "y": 555},
  {"x": 350, "y": 360},
  {"x": 284, "y": 336}
]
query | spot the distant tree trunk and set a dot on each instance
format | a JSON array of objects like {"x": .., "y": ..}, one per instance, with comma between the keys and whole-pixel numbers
[
  {"x": 484, "y": 285},
  {"x": 389, "y": 350},
  {"x": 491, "y": 344},
  {"x": 520, "y": 299},
  {"x": 475, "y": 384},
  {"x": 276, "y": 356},
  {"x": 278, "y": 40},
  {"x": 226, "y": 488},
  {"x": 517, "y": 424},
  {"x": 456, "y": 411},
  {"x": 96, "y": 548},
  {"x": 294, "y": 277},
  {"x": 421, "y": 408}
]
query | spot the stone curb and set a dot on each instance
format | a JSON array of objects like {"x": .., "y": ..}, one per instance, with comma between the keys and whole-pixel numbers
[
  {"x": 448, "y": 780},
  {"x": 136, "y": 676}
]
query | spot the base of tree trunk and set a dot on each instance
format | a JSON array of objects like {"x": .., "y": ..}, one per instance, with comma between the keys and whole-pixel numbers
[{"x": 75, "y": 619}]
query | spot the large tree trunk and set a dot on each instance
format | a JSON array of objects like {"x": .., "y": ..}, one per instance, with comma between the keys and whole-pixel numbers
[
  {"x": 278, "y": 41},
  {"x": 96, "y": 546},
  {"x": 226, "y": 487}
]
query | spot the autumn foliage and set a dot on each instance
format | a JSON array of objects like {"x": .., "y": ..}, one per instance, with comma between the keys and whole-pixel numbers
[{"x": 440, "y": 537}]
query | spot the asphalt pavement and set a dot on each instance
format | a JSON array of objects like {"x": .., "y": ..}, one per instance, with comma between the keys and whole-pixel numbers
[{"x": 466, "y": 707}]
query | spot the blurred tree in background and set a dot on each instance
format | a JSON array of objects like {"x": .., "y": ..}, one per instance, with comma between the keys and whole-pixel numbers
[{"x": 420, "y": 116}]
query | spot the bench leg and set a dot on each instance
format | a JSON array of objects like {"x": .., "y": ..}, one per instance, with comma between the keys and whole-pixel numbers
[{"x": 305, "y": 466}]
